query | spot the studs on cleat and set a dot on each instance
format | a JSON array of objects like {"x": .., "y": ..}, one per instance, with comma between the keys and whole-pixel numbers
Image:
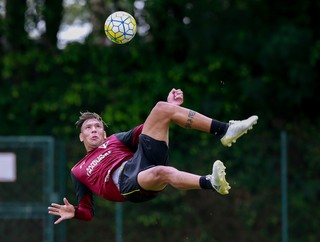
[{"x": 218, "y": 179}]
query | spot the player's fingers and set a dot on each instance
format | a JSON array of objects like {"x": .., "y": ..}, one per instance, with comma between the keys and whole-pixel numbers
[
  {"x": 178, "y": 96},
  {"x": 55, "y": 205},
  {"x": 58, "y": 221},
  {"x": 52, "y": 209},
  {"x": 54, "y": 213},
  {"x": 66, "y": 202}
]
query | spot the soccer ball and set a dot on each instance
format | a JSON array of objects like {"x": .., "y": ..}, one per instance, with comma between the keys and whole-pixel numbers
[{"x": 120, "y": 27}]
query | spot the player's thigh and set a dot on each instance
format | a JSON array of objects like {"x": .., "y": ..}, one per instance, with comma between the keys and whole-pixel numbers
[
  {"x": 155, "y": 178},
  {"x": 157, "y": 123}
]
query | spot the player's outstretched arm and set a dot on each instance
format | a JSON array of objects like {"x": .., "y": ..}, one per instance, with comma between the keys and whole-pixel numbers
[
  {"x": 175, "y": 96},
  {"x": 65, "y": 211}
]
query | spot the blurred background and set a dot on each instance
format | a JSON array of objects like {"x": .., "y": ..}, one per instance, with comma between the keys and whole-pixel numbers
[{"x": 232, "y": 59}]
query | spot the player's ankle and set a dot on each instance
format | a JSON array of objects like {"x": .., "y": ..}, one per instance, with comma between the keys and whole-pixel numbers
[
  {"x": 205, "y": 182},
  {"x": 218, "y": 128}
]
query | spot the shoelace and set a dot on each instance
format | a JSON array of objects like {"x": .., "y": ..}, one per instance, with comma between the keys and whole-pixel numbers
[{"x": 234, "y": 121}]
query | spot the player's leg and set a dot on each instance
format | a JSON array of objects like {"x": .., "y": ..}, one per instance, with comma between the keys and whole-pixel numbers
[
  {"x": 158, "y": 121},
  {"x": 158, "y": 177}
]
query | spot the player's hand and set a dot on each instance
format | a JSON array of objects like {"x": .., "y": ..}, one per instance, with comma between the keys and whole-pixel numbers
[
  {"x": 65, "y": 211},
  {"x": 175, "y": 97}
]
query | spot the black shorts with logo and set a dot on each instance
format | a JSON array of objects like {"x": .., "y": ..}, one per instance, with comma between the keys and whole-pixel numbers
[{"x": 150, "y": 153}]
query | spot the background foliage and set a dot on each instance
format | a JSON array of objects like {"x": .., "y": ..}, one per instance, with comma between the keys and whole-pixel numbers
[{"x": 231, "y": 58}]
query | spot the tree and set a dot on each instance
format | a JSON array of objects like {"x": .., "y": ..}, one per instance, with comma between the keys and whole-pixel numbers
[{"x": 230, "y": 58}]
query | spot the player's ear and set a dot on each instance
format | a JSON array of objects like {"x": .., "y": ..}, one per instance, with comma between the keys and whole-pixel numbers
[{"x": 81, "y": 137}]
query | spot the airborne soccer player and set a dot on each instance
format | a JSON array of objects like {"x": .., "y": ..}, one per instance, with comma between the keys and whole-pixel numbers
[{"x": 133, "y": 166}]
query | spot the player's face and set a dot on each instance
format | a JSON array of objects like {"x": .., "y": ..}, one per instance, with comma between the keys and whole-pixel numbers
[{"x": 92, "y": 134}]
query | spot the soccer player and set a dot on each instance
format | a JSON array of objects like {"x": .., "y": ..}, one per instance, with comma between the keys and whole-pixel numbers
[{"x": 133, "y": 165}]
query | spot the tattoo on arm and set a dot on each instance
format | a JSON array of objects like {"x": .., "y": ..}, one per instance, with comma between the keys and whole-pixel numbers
[{"x": 189, "y": 122}]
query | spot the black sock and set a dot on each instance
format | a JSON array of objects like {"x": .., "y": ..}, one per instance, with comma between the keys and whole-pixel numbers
[
  {"x": 218, "y": 128},
  {"x": 205, "y": 183}
]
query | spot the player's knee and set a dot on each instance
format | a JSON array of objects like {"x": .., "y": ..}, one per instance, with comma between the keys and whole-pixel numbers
[
  {"x": 164, "y": 174},
  {"x": 162, "y": 108}
]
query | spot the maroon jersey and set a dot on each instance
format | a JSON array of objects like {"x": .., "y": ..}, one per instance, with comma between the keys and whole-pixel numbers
[{"x": 93, "y": 173}]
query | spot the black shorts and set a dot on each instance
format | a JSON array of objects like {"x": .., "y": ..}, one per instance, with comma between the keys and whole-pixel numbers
[{"x": 150, "y": 153}]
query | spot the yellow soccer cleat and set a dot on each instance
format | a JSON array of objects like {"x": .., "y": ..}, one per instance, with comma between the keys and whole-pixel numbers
[{"x": 218, "y": 178}]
